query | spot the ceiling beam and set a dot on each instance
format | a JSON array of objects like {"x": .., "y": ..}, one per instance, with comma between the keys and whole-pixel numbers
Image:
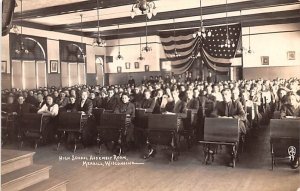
[
  {"x": 70, "y": 8},
  {"x": 262, "y": 18},
  {"x": 33, "y": 25},
  {"x": 177, "y": 14}
]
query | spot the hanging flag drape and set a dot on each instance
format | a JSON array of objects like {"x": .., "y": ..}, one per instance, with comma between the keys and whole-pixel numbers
[{"x": 211, "y": 49}]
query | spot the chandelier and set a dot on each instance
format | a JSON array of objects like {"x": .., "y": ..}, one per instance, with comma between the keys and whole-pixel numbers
[
  {"x": 81, "y": 53},
  {"x": 202, "y": 31},
  {"x": 20, "y": 47},
  {"x": 98, "y": 41},
  {"x": 249, "y": 50},
  {"x": 119, "y": 56},
  {"x": 141, "y": 56},
  {"x": 175, "y": 54},
  {"x": 145, "y": 7},
  {"x": 228, "y": 43},
  {"x": 147, "y": 48}
]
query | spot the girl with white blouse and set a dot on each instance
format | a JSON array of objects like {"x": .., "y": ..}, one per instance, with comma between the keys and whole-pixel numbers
[{"x": 50, "y": 108}]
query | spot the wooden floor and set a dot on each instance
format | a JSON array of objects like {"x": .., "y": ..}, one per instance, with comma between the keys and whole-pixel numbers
[{"x": 252, "y": 173}]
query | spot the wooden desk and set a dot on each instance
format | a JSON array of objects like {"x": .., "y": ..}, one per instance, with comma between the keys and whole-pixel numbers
[
  {"x": 220, "y": 131},
  {"x": 284, "y": 138}
]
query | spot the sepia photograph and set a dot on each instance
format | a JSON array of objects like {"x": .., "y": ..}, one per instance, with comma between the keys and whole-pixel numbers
[{"x": 150, "y": 95}]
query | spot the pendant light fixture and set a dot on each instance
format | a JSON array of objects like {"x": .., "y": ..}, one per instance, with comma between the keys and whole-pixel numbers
[
  {"x": 119, "y": 57},
  {"x": 228, "y": 43},
  {"x": 249, "y": 43},
  {"x": 175, "y": 54},
  {"x": 81, "y": 53},
  {"x": 148, "y": 8},
  {"x": 99, "y": 41},
  {"x": 147, "y": 48},
  {"x": 141, "y": 56},
  {"x": 20, "y": 47},
  {"x": 202, "y": 30}
]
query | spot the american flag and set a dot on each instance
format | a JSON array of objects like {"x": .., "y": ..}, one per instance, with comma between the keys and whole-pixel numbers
[
  {"x": 211, "y": 49},
  {"x": 215, "y": 53}
]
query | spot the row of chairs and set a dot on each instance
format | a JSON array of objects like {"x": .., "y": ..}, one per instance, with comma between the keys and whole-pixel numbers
[{"x": 157, "y": 129}]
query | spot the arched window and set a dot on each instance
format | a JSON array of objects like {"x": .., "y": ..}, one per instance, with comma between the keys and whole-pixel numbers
[
  {"x": 73, "y": 64},
  {"x": 28, "y": 69}
]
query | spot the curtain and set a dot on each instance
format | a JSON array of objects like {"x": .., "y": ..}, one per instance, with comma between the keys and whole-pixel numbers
[
  {"x": 81, "y": 73},
  {"x": 73, "y": 74},
  {"x": 29, "y": 75},
  {"x": 64, "y": 74},
  {"x": 41, "y": 74},
  {"x": 16, "y": 72}
]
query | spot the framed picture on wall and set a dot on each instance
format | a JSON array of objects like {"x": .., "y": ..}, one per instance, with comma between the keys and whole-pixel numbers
[
  {"x": 127, "y": 65},
  {"x": 291, "y": 55},
  {"x": 53, "y": 66},
  {"x": 136, "y": 65},
  {"x": 265, "y": 60},
  {"x": 119, "y": 69},
  {"x": 146, "y": 68},
  {"x": 3, "y": 66}
]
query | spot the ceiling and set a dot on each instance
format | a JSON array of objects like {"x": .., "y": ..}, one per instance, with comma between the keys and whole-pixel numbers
[{"x": 64, "y": 15}]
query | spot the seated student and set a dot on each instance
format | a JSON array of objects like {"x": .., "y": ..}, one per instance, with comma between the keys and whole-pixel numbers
[
  {"x": 50, "y": 108},
  {"x": 291, "y": 108},
  {"x": 281, "y": 99},
  {"x": 228, "y": 108},
  {"x": 71, "y": 106},
  {"x": 148, "y": 103},
  {"x": 62, "y": 100},
  {"x": 159, "y": 103},
  {"x": 110, "y": 102},
  {"x": 84, "y": 104},
  {"x": 178, "y": 105},
  {"x": 21, "y": 107},
  {"x": 96, "y": 100},
  {"x": 137, "y": 97},
  {"x": 9, "y": 106},
  {"x": 40, "y": 101},
  {"x": 192, "y": 102},
  {"x": 126, "y": 107}
]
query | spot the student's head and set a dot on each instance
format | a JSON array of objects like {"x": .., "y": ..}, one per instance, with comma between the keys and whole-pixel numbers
[
  {"x": 110, "y": 92},
  {"x": 62, "y": 95},
  {"x": 160, "y": 93},
  {"x": 183, "y": 96},
  {"x": 55, "y": 93},
  {"x": 84, "y": 95},
  {"x": 72, "y": 99},
  {"x": 31, "y": 93},
  {"x": 175, "y": 93},
  {"x": 147, "y": 94},
  {"x": 190, "y": 94},
  {"x": 292, "y": 99},
  {"x": 125, "y": 98},
  {"x": 235, "y": 93},
  {"x": 10, "y": 99},
  {"x": 45, "y": 92},
  {"x": 40, "y": 97},
  {"x": 20, "y": 99},
  {"x": 92, "y": 95},
  {"x": 49, "y": 100},
  {"x": 281, "y": 93},
  {"x": 196, "y": 92},
  {"x": 136, "y": 90},
  {"x": 226, "y": 93}
]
